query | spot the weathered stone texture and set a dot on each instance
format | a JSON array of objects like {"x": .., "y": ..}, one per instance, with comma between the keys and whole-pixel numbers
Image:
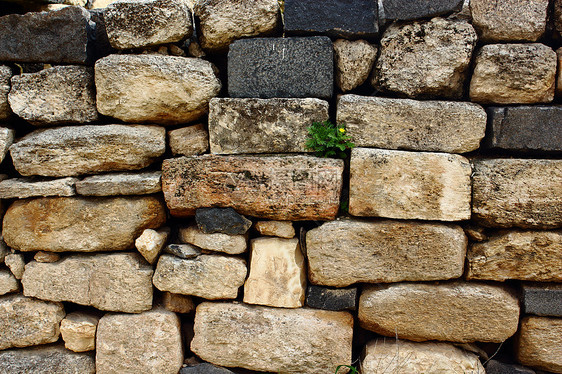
[
  {"x": 517, "y": 192},
  {"x": 238, "y": 335},
  {"x": 8, "y": 283},
  {"x": 23, "y": 188},
  {"x": 409, "y": 185},
  {"x": 48, "y": 257},
  {"x": 46, "y": 360},
  {"x": 6, "y": 140},
  {"x": 415, "y": 9},
  {"x": 331, "y": 298},
  {"x": 189, "y": 141},
  {"x": 5, "y": 75},
  {"x": 457, "y": 311},
  {"x": 441, "y": 126},
  {"x": 89, "y": 149},
  {"x": 155, "y": 89},
  {"x": 299, "y": 187},
  {"x": 221, "y": 220},
  {"x": 354, "y": 61},
  {"x": 185, "y": 251},
  {"x": 177, "y": 303},
  {"x": 263, "y": 125},
  {"x": 543, "y": 299},
  {"x": 231, "y": 244},
  {"x": 78, "y": 331},
  {"x": 141, "y": 183},
  {"x": 514, "y": 74},
  {"x": 80, "y": 224},
  {"x": 282, "y": 229},
  {"x": 540, "y": 343},
  {"x": 16, "y": 263},
  {"x": 425, "y": 58},
  {"x": 151, "y": 243}
]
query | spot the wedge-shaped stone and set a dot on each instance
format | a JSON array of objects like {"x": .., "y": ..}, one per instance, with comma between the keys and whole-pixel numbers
[
  {"x": 6, "y": 140},
  {"x": 344, "y": 252},
  {"x": 263, "y": 125},
  {"x": 409, "y": 185},
  {"x": 274, "y": 187},
  {"x": 238, "y": 335},
  {"x": 76, "y": 150},
  {"x": 354, "y": 61},
  {"x": 16, "y": 263},
  {"x": 8, "y": 283},
  {"x": 458, "y": 311},
  {"x": 442, "y": 126},
  {"x": 155, "y": 89},
  {"x": 231, "y": 244},
  {"x": 149, "y": 343},
  {"x": 523, "y": 255},
  {"x": 540, "y": 343},
  {"x": 46, "y": 360},
  {"x": 116, "y": 282},
  {"x": 141, "y": 183},
  {"x": 25, "y": 321},
  {"x": 151, "y": 243},
  {"x": 79, "y": 224},
  {"x": 22, "y": 188},
  {"x": 5, "y": 75},
  {"x": 282, "y": 229},
  {"x": 517, "y": 192},
  {"x": 189, "y": 141},
  {"x": 208, "y": 276},
  {"x": 78, "y": 331}
]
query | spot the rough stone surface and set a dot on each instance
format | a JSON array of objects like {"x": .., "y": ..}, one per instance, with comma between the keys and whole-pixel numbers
[
  {"x": 90, "y": 149},
  {"x": 16, "y": 263},
  {"x": 523, "y": 255},
  {"x": 78, "y": 331},
  {"x": 184, "y": 251},
  {"x": 409, "y": 185},
  {"x": 3, "y": 250},
  {"x": 282, "y": 229},
  {"x": 456, "y": 311},
  {"x": 238, "y": 335},
  {"x": 221, "y": 220},
  {"x": 23, "y": 188},
  {"x": 6, "y": 139},
  {"x": 149, "y": 343},
  {"x": 135, "y": 24},
  {"x": 46, "y": 360},
  {"x": 415, "y": 9},
  {"x": 5, "y": 75},
  {"x": 299, "y": 187},
  {"x": 540, "y": 343},
  {"x": 47, "y": 257},
  {"x": 62, "y": 224},
  {"x": 8, "y": 283},
  {"x": 177, "y": 303},
  {"x": 151, "y": 243},
  {"x": 514, "y": 74},
  {"x": 102, "y": 46},
  {"x": 263, "y": 125},
  {"x": 211, "y": 277},
  {"x": 116, "y": 282},
  {"x": 189, "y": 141},
  {"x": 497, "y": 367},
  {"x": 141, "y": 183},
  {"x": 543, "y": 299},
  {"x": 281, "y": 67},
  {"x": 509, "y": 20},
  {"x": 331, "y": 298},
  {"x": 223, "y": 21},
  {"x": 155, "y": 89},
  {"x": 277, "y": 273},
  {"x": 25, "y": 321},
  {"x": 425, "y": 58},
  {"x": 55, "y": 96},
  {"x": 440, "y": 126},
  {"x": 231, "y": 244},
  {"x": 46, "y": 37},
  {"x": 403, "y": 357},
  {"x": 350, "y": 19},
  {"x": 344, "y": 252},
  {"x": 354, "y": 61},
  {"x": 205, "y": 368},
  {"x": 517, "y": 192}
]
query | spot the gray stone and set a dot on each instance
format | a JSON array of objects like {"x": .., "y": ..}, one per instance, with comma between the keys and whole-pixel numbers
[
  {"x": 497, "y": 367},
  {"x": 142, "y": 183},
  {"x": 46, "y": 360},
  {"x": 55, "y": 37},
  {"x": 331, "y": 298},
  {"x": 354, "y": 61},
  {"x": 281, "y": 67},
  {"x": 89, "y": 149},
  {"x": 414, "y": 9},
  {"x": 5, "y": 75},
  {"x": 205, "y": 368},
  {"x": 55, "y": 96},
  {"x": 543, "y": 299},
  {"x": 358, "y": 18},
  {"x": 189, "y": 141},
  {"x": 22, "y": 188},
  {"x": 219, "y": 242},
  {"x": 8, "y": 283},
  {"x": 6, "y": 140},
  {"x": 221, "y": 220},
  {"x": 185, "y": 251}
]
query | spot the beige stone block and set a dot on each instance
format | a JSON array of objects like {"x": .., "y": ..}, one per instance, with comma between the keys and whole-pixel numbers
[
  {"x": 151, "y": 243},
  {"x": 282, "y": 229},
  {"x": 22, "y": 188},
  {"x": 189, "y": 141},
  {"x": 78, "y": 331},
  {"x": 354, "y": 61},
  {"x": 219, "y": 242},
  {"x": 16, "y": 263},
  {"x": 540, "y": 343},
  {"x": 128, "y": 183},
  {"x": 8, "y": 283}
]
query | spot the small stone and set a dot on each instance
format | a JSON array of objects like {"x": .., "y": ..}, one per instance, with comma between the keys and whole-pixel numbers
[
  {"x": 46, "y": 360},
  {"x": 141, "y": 183},
  {"x": 78, "y": 331},
  {"x": 126, "y": 84},
  {"x": 475, "y": 233},
  {"x": 221, "y": 220},
  {"x": 189, "y": 141},
  {"x": 425, "y": 58},
  {"x": 55, "y": 96},
  {"x": 514, "y": 74},
  {"x": 281, "y": 67},
  {"x": 509, "y": 20},
  {"x": 239, "y": 335},
  {"x": 231, "y": 244},
  {"x": 282, "y": 229},
  {"x": 496, "y": 367},
  {"x": 195, "y": 50},
  {"x": 176, "y": 51},
  {"x": 6, "y": 139},
  {"x": 354, "y": 61},
  {"x": 3, "y": 249},
  {"x": 16, "y": 263},
  {"x": 454, "y": 311},
  {"x": 136, "y": 24},
  {"x": 211, "y": 277},
  {"x": 540, "y": 343},
  {"x": 542, "y": 299},
  {"x": 517, "y": 192},
  {"x": 331, "y": 298},
  {"x": 25, "y": 322},
  {"x": 23, "y": 188},
  {"x": 46, "y": 257},
  {"x": 438, "y": 126},
  {"x": 8, "y": 283},
  {"x": 148, "y": 343},
  {"x": 151, "y": 243},
  {"x": 223, "y": 21},
  {"x": 415, "y": 9},
  {"x": 409, "y": 185},
  {"x": 185, "y": 251},
  {"x": 5, "y": 75},
  {"x": 178, "y": 303},
  {"x": 205, "y": 368}
]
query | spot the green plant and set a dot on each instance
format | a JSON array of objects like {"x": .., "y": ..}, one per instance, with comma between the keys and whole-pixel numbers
[
  {"x": 352, "y": 369},
  {"x": 328, "y": 140}
]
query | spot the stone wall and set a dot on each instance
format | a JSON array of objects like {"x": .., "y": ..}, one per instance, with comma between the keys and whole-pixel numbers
[{"x": 162, "y": 212}]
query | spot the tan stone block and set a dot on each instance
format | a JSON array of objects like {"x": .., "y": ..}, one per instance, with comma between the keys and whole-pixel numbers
[
  {"x": 151, "y": 243},
  {"x": 282, "y": 229},
  {"x": 540, "y": 343},
  {"x": 16, "y": 263},
  {"x": 23, "y": 188},
  {"x": 78, "y": 331},
  {"x": 127, "y": 183},
  {"x": 177, "y": 303},
  {"x": 231, "y": 244},
  {"x": 354, "y": 61},
  {"x": 189, "y": 141},
  {"x": 8, "y": 283},
  {"x": 46, "y": 257}
]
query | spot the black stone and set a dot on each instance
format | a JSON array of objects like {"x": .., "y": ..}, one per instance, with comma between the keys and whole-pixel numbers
[
  {"x": 525, "y": 128},
  {"x": 496, "y": 367},
  {"x": 205, "y": 368},
  {"x": 337, "y": 18},
  {"x": 331, "y": 298},
  {"x": 415, "y": 9},
  {"x": 223, "y": 220},
  {"x": 184, "y": 251},
  {"x": 281, "y": 67},
  {"x": 542, "y": 299},
  {"x": 102, "y": 46}
]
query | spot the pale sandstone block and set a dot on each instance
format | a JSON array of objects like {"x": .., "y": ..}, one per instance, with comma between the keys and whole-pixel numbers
[
  {"x": 78, "y": 331},
  {"x": 219, "y": 242},
  {"x": 540, "y": 343},
  {"x": 282, "y": 229}
]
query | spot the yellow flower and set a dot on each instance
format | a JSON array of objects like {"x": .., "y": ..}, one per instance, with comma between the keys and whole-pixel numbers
[{"x": 342, "y": 130}]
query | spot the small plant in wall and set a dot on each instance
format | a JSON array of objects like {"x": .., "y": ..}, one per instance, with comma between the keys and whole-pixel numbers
[
  {"x": 352, "y": 369},
  {"x": 328, "y": 140}
]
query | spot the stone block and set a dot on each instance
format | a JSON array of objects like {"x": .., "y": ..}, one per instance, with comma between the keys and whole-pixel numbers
[
  {"x": 354, "y": 61},
  {"x": 16, "y": 263},
  {"x": 543, "y": 299},
  {"x": 184, "y": 251},
  {"x": 331, "y": 298},
  {"x": 497, "y": 367},
  {"x": 415, "y": 9},
  {"x": 151, "y": 243},
  {"x": 281, "y": 229},
  {"x": 231, "y": 244},
  {"x": 221, "y": 220},
  {"x": 46, "y": 360},
  {"x": 78, "y": 331},
  {"x": 6, "y": 139},
  {"x": 22, "y": 188},
  {"x": 189, "y": 141},
  {"x": 5, "y": 76},
  {"x": 8, "y": 283},
  {"x": 539, "y": 344},
  {"x": 141, "y": 183},
  {"x": 177, "y": 303}
]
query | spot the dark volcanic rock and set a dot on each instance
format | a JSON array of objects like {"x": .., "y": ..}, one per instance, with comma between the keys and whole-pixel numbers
[
  {"x": 102, "y": 46},
  {"x": 496, "y": 367},
  {"x": 223, "y": 220},
  {"x": 331, "y": 298},
  {"x": 413, "y": 9},
  {"x": 542, "y": 299},
  {"x": 46, "y": 360}
]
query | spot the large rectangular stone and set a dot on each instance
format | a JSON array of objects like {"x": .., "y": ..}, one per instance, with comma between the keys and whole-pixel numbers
[
  {"x": 46, "y": 360},
  {"x": 415, "y": 9},
  {"x": 281, "y": 67},
  {"x": 543, "y": 299},
  {"x": 274, "y": 187}
]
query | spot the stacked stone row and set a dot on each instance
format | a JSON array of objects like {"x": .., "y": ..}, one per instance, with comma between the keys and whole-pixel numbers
[{"x": 454, "y": 187}]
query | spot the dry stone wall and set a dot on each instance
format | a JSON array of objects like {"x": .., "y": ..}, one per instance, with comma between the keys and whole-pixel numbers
[{"x": 163, "y": 213}]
